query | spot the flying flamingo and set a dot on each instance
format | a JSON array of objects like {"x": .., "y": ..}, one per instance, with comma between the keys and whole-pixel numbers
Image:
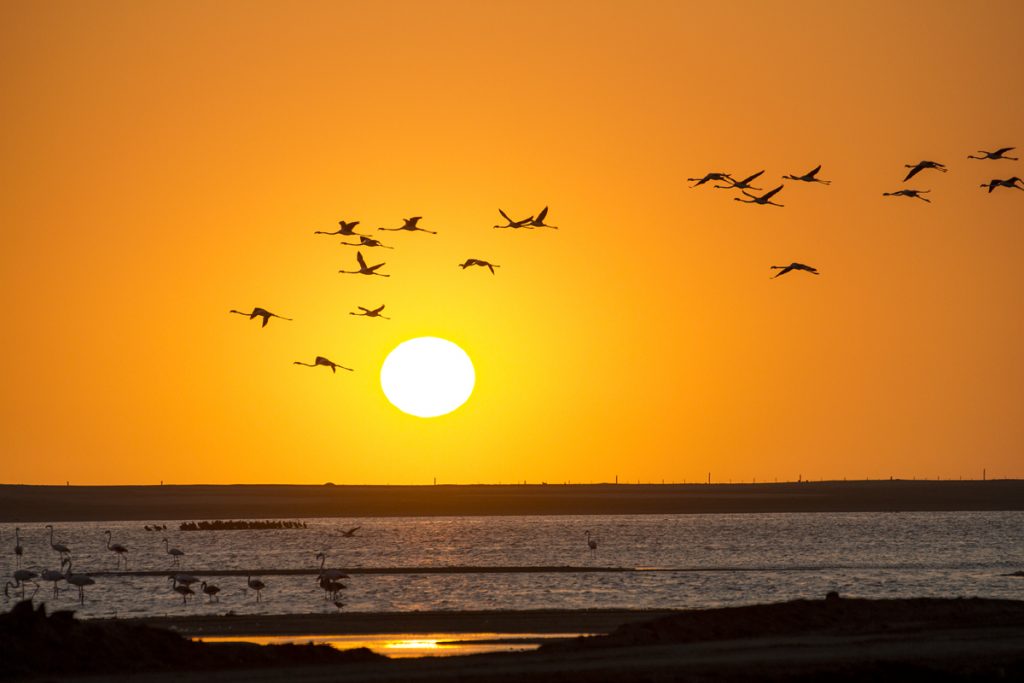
[
  {"x": 175, "y": 554},
  {"x": 809, "y": 177},
  {"x": 320, "y": 360},
  {"x": 794, "y": 266},
  {"x": 1009, "y": 182},
  {"x": 18, "y": 550},
  {"x": 742, "y": 184},
  {"x": 763, "y": 199},
  {"x": 256, "y": 585},
  {"x": 916, "y": 194},
  {"x": 367, "y": 313},
  {"x": 365, "y": 241},
  {"x": 262, "y": 312},
  {"x": 591, "y": 542},
  {"x": 80, "y": 581},
  {"x": 210, "y": 591},
  {"x": 120, "y": 550},
  {"x": 350, "y": 532},
  {"x": 478, "y": 262},
  {"x": 363, "y": 269},
  {"x": 412, "y": 225},
  {"x": 525, "y": 223},
  {"x": 59, "y": 547},
  {"x": 538, "y": 222},
  {"x": 717, "y": 176},
  {"x": 922, "y": 165},
  {"x": 346, "y": 229},
  {"x": 998, "y": 154}
]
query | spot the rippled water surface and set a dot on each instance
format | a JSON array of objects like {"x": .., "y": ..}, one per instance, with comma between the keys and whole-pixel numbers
[{"x": 667, "y": 561}]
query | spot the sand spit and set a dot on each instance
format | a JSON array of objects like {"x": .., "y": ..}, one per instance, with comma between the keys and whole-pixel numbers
[
  {"x": 805, "y": 640},
  {"x": 145, "y": 503}
]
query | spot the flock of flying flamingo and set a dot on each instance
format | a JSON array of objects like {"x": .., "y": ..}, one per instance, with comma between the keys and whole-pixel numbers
[
  {"x": 348, "y": 229},
  {"x": 730, "y": 183}
]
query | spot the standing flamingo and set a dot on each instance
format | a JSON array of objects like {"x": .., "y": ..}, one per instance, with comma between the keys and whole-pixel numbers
[
  {"x": 59, "y": 547},
  {"x": 591, "y": 542},
  {"x": 119, "y": 549},
  {"x": 256, "y": 585},
  {"x": 175, "y": 554},
  {"x": 18, "y": 550},
  {"x": 329, "y": 574},
  {"x": 210, "y": 590},
  {"x": 80, "y": 581},
  {"x": 20, "y": 577},
  {"x": 184, "y": 591},
  {"x": 54, "y": 576}
]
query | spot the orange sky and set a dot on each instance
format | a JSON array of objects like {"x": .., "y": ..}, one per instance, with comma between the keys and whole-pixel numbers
[{"x": 162, "y": 163}]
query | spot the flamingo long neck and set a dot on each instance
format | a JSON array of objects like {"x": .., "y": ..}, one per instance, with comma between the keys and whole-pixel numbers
[{"x": 323, "y": 559}]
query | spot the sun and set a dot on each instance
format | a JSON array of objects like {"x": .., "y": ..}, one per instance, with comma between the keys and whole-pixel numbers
[{"x": 427, "y": 376}]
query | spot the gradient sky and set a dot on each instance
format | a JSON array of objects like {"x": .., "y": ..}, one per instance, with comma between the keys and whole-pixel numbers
[{"x": 162, "y": 163}]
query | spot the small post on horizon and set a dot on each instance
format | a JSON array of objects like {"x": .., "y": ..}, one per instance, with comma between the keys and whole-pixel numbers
[
  {"x": 984, "y": 474},
  {"x": 709, "y": 477},
  {"x": 435, "y": 481},
  {"x": 616, "y": 479}
]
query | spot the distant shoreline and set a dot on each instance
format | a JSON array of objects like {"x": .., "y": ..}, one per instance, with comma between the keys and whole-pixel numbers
[{"x": 21, "y": 503}]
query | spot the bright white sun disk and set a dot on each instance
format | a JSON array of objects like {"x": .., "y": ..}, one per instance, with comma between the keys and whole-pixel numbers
[{"x": 427, "y": 377}]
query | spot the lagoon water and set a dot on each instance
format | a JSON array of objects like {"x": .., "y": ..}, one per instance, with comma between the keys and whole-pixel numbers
[{"x": 659, "y": 561}]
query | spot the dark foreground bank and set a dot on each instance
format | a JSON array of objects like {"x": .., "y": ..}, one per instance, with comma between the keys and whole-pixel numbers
[
  {"x": 177, "y": 503},
  {"x": 835, "y": 640}
]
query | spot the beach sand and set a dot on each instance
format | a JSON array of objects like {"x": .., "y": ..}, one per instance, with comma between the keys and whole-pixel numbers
[
  {"x": 835, "y": 640},
  {"x": 96, "y": 503}
]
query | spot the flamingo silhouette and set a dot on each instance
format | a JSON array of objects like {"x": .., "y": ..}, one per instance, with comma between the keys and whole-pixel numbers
[
  {"x": 120, "y": 550},
  {"x": 261, "y": 312},
  {"x": 211, "y": 591},
  {"x": 478, "y": 262},
  {"x": 80, "y": 581},
  {"x": 257, "y": 586},
  {"x": 412, "y": 225},
  {"x": 718, "y": 176},
  {"x": 998, "y": 154},
  {"x": 184, "y": 591},
  {"x": 330, "y": 574},
  {"x": 763, "y": 199},
  {"x": 367, "y": 313},
  {"x": 320, "y": 360},
  {"x": 349, "y": 533},
  {"x": 21, "y": 576},
  {"x": 54, "y": 576},
  {"x": 538, "y": 222},
  {"x": 21, "y": 585},
  {"x": 186, "y": 579},
  {"x": 809, "y": 177},
  {"x": 916, "y": 194},
  {"x": 794, "y": 266},
  {"x": 525, "y": 223},
  {"x": 365, "y": 241},
  {"x": 742, "y": 184},
  {"x": 591, "y": 542},
  {"x": 922, "y": 165},
  {"x": 175, "y": 554},
  {"x": 346, "y": 229},
  {"x": 59, "y": 547},
  {"x": 363, "y": 269},
  {"x": 1009, "y": 182},
  {"x": 330, "y": 587},
  {"x": 18, "y": 550}
]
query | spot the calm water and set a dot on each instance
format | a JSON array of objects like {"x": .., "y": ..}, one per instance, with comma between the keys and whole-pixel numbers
[{"x": 671, "y": 561}]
